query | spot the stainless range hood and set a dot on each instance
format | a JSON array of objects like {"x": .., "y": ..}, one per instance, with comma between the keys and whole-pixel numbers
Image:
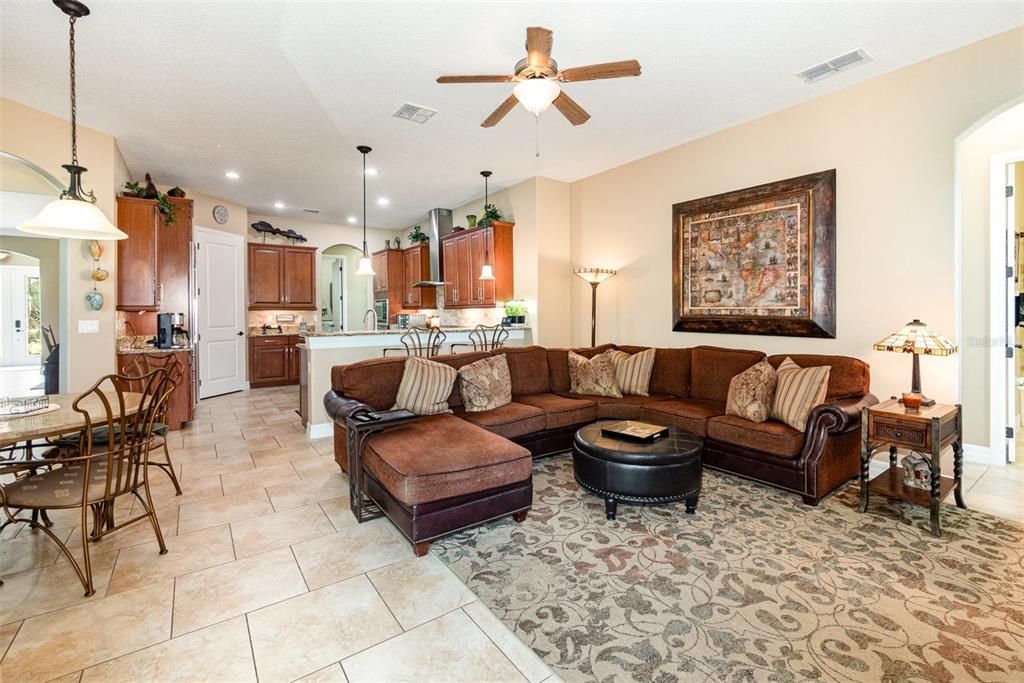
[{"x": 439, "y": 224}]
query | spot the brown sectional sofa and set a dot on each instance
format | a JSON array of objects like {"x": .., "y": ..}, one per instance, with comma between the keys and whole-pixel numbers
[{"x": 447, "y": 472}]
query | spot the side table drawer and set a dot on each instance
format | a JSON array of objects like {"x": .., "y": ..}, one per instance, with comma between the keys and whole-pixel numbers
[{"x": 899, "y": 433}]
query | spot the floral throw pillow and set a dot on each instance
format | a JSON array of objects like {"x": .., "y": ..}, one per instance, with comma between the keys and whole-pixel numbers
[
  {"x": 751, "y": 393},
  {"x": 486, "y": 384},
  {"x": 594, "y": 376}
]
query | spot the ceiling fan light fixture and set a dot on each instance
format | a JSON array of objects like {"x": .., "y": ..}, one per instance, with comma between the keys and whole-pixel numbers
[{"x": 536, "y": 94}]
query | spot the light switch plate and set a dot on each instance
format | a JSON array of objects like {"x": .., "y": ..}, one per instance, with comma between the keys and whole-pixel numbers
[{"x": 88, "y": 326}]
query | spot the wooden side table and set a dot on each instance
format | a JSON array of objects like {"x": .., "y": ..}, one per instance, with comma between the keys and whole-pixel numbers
[{"x": 926, "y": 433}]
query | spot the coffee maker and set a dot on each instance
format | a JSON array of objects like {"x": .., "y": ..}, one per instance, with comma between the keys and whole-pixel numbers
[
  {"x": 164, "y": 330},
  {"x": 170, "y": 331}
]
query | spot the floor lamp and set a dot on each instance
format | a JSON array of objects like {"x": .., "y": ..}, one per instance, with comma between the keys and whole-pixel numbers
[{"x": 594, "y": 276}]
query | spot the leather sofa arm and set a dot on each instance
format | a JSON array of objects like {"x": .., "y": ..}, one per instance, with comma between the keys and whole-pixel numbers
[
  {"x": 340, "y": 408},
  {"x": 839, "y": 417}
]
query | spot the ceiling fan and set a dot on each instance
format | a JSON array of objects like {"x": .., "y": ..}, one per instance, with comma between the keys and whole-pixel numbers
[{"x": 538, "y": 76}]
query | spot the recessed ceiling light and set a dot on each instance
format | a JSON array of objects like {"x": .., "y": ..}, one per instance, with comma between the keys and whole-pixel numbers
[
  {"x": 351, "y": 219},
  {"x": 233, "y": 175},
  {"x": 278, "y": 205},
  {"x": 371, "y": 171},
  {"x": 383, "y": 201}
]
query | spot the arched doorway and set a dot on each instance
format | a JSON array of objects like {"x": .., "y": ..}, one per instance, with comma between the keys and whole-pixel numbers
[{"x": 345, "y": 297}]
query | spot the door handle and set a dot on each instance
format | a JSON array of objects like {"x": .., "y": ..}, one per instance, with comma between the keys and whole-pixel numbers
[
  {"x": 160, "y": 295},
  {"x": 241, "y": 334}
]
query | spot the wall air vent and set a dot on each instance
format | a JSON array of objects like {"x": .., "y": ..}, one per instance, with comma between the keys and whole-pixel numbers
[
  {"x": 311, "y": 210},
  {"x": 834, "y": 66},
  {"x": 414, "y": 113}
]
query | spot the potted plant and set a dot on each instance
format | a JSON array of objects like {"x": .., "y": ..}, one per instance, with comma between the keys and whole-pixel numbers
[
  {"x": 163, "y": 204},
  {"x": 417, "y": 236},
  {"x": 491, "y": 214},
  {"x": 515, "y": 311},
  {"x": 471, "y": 220}
]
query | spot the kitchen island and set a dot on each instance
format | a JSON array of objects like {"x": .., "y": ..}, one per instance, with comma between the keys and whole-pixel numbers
[{"x": 321, "y": 351}]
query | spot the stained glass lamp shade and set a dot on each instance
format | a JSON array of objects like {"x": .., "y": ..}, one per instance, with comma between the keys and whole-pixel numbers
[{"x": 917, "y": 338}]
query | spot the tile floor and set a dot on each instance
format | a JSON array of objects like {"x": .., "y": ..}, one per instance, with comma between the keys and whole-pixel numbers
[{"x": 269, "y": 578}]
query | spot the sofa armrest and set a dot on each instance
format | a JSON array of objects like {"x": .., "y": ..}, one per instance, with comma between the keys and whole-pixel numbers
[
  {"x": 839, "y": 417},
  {"x": 340, "y": 408}
]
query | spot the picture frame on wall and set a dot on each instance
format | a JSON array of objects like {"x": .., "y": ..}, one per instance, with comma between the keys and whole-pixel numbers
[{"x": 761, "y": 260}]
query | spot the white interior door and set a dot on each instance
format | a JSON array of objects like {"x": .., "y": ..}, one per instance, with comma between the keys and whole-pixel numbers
[
  {"x": 220, "y": 308},
  {"x": 20, "y": 339}
]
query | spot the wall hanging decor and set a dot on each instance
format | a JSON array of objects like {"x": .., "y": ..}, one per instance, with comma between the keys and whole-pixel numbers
[
  {"x": 94, "y": 298},
  {"x": 758, "y": 261}
]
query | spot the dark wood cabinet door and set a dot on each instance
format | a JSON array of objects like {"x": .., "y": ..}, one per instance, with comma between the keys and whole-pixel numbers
[
  {"x": 174, "y": 245},
  {"x": 137, "y": 255},
  {"x": 482, "y": 250},
  {"x": 450, "y": 269},
  {"x": 266, "y": 276},
  {"x": 300, "y": 278},
  {"x": 411, "y": 274},
  {"x": 466, "y": 283},
  {"x": 270, "y": 365}
]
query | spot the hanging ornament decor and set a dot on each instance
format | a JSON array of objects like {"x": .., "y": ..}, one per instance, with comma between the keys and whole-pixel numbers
[
  {"x": 75, "y": 214},
  {"x": 94, "y": 298}
]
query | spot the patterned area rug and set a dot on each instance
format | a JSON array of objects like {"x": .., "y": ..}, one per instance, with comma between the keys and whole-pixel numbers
[{"x": 755, "y": 587}]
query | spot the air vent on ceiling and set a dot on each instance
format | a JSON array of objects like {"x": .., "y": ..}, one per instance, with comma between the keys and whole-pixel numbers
[
  {"x": 414, "y": 112},
  {"x": 311, "y": 210},
  {"x": 834, "y": 66}
]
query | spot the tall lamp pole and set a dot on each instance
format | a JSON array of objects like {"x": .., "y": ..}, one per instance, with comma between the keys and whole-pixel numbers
[{"x": 594, "y": 276}]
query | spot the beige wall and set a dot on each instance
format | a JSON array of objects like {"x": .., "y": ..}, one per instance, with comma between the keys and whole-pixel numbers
[
  {"x": 45, "y": 140},
  {"x": 1004, "y": 133},
  {"x": 891, "y": 140}
]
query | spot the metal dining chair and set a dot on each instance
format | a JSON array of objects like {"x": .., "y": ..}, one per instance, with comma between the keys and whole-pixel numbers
[
  {"x": 98, "y": 474},
  {"x": 484, "y": 338},
  {"x": 425, "y": 342},
  {"x": 140, "y": 366}
]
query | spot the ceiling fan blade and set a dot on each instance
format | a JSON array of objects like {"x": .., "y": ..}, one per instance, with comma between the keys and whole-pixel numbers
[
  {"x": 594, "y": 72},
  {"x": 570, "y": 109},
  {"x": 474, "y": 79},
  {"x": 499, "y": 113},
  {"x": 538, "y": 45}
]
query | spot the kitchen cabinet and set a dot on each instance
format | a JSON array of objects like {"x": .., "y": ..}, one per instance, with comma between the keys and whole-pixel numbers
[
  {"x": 416, "y": 268},
  {"x": 462, "y": 257},
  {"x": 183, "y": 399},
  {"x": 154, "y": 263},
  {"x": 274, "y": 360},
  {"x": 282, "y": 277},
  {"x": 387, "y": 279}
]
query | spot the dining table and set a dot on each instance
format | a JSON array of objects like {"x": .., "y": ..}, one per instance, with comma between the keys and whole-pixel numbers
[{"x": 15, "y": 429}]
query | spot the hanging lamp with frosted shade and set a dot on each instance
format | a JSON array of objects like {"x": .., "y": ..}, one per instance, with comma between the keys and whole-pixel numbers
[
  {"x": 486, "y": 271},
  {"x": 75, "y": 214},
  {"x": 365, "y": 264}
]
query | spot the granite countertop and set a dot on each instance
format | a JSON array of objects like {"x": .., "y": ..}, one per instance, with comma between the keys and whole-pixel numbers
[{"x": 152, "y": 349}]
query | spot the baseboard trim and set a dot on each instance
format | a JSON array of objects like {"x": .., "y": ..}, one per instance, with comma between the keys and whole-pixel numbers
[
  {"x": 983, "y": 455},
  {"x": 321, "y": 430}
]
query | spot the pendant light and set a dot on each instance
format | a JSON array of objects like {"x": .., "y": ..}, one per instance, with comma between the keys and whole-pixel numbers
[
  {"x": 75, "y": 214},
  {"x": 365, "y": 265},
  {"x": 486, "y": 272}
]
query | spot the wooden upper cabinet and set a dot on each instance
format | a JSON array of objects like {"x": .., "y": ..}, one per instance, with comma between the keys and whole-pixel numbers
[
  {"x": 137, "y": 256},
  {"x": 173, "y": 264},
  {"x": 463, "y": 256},
  {"x": 379, "y": 262},
  {"x": 282, "y": 276},
  {"x": 300, "y": 277},
  {"x": 416, "y": 268}
]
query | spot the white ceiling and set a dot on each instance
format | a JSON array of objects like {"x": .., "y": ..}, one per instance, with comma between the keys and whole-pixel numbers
[{"x": 282, "y": 92}]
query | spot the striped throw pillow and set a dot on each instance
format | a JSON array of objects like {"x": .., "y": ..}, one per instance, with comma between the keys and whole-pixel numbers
[
  {"x": 425, "y": 387},
  {"x": 633, "y": 372},
  {"x": 797, "y": 392}
]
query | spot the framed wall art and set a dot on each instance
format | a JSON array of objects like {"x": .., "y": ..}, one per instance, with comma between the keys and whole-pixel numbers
[{"x": 758, "y": 261}]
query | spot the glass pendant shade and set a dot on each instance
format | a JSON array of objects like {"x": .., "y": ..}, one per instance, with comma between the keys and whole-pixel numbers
[
  {"x": 365, "y": 266},
  {"x": 593, "y": 275},
  {"x": 72, "y": 219},
  {"x": 536, "y": 94},
  {"x": 487, "y": 273}
]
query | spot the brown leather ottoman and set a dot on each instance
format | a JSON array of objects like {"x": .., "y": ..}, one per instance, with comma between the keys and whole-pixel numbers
[{"x": 662, "y": 471}]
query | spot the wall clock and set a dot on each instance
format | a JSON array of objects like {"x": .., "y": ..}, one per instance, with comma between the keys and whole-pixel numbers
[{"x": 220, "y": 214}]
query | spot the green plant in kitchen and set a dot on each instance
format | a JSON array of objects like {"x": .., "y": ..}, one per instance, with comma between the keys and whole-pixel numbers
[
  {"x": 149, "y": 191},
  {"x": 417, "y": 236},
  {"x": 515, "y": 311},
  {"x": 491, "y": 214}
]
